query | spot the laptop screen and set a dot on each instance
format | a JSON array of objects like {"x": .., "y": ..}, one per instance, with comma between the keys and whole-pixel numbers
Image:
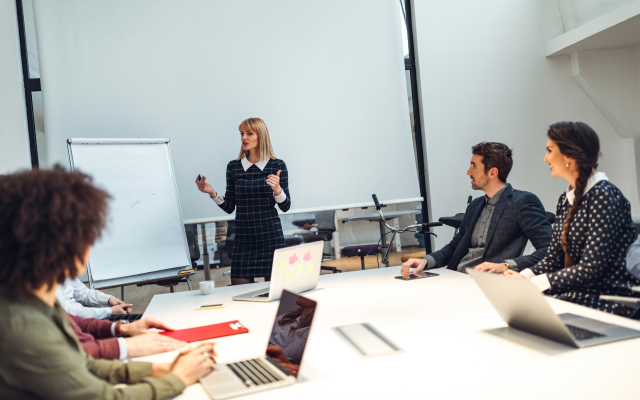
[{"x": 291, "y": 330}]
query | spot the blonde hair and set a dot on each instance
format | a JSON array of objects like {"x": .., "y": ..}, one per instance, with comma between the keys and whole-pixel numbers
[{"x": 257, "y": 125}]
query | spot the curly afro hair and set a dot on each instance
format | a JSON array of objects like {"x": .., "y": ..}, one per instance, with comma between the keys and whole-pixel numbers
[{"x": 48, "y": 219}]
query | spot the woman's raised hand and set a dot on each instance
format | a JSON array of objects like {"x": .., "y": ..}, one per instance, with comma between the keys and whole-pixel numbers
[
  {"x": 205, "y": 187},
  {"x": 274, "y": 182}
]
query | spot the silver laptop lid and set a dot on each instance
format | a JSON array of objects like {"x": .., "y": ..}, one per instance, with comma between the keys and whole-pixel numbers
[
  {"x": 288, "y": 339},
  {"x": 296, "y": 269},
  {"x": 522, "y": 306}
]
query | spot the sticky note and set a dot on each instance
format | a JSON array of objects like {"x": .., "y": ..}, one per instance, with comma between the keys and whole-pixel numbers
[
  {"x": 309, "y": 268},
  {"x": 282, "y": 265},
  {"x": 307, "y": 256},
  {"x": 299, "y": 269},
  {"x": 293, "y": 259},
  {"x": 287, "y": 276}
]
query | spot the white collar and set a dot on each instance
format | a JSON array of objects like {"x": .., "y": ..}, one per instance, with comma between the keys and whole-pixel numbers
[
  {"x": 246, "y": 164},
  {"x": 597, "y": 177}
]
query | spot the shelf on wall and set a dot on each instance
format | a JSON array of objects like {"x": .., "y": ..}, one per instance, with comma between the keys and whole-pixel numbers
[{"x": 619, "y": 28}]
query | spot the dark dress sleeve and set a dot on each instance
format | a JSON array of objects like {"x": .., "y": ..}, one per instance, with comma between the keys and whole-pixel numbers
[
  {"x": 284, "y": 184},
  {"x": 229, "y": 204}
]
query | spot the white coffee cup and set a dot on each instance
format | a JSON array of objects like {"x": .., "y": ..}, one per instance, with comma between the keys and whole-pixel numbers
[{"x": 206, "y": 287}]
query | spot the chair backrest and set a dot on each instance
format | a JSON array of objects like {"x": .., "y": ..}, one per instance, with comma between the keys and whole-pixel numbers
[
  {"x": 636, "y": 220},
  {"x": 326, "y": 220}
]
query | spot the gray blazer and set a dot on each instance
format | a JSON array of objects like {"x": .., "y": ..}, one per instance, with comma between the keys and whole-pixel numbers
[{"x": 519, "y": 216}]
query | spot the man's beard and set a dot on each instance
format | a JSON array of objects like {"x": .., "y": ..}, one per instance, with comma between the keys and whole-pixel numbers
[{"x": 475, "y": 186}]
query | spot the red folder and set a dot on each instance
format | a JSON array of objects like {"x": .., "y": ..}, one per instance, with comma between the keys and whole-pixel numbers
[{"x": 207, "y": 331}]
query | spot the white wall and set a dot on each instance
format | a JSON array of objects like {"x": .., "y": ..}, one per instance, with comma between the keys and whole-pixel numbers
[
  {"x": 588, "y": 10},
  {"x": 14, "y": 143},
  {"x": 484, "y": 76}
]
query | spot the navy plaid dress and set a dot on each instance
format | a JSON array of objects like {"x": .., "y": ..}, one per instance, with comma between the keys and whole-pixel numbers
[{"x": 258, "y": 227}]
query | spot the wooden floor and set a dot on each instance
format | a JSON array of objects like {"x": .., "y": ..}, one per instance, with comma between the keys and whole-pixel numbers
[{"x": 140, "y": 297}]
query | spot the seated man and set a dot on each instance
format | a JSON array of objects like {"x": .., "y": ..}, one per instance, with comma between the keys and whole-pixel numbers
[
  {"x": 496, "y": 226},
  {"x": 118, "y": 341},
  {"x": 77, "y": 299}
]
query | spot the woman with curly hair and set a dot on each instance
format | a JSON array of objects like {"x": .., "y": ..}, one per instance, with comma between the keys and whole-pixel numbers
[
  {"x": 48, "y": 222},
  {"x": 593, "y": 227}
]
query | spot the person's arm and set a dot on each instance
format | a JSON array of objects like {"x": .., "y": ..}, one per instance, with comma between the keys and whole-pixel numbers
[
  {"x": 89, "y": 297},
  {"x": 633, "y": 258},
  {"x": 98, "y": 328},
  {"x": 294, "y": 350},
  {"x": 534, "y": 223},
  {"x": 75, "y": 308},
  {"x": 444, "y": 255},
  {"x": 87, "y": 329},
  {"x": 605, "y": 221},
  {"x": 284, "y": 199},
  {"x": 229, "y": 203},
  {"x": 41, "y": 362}
]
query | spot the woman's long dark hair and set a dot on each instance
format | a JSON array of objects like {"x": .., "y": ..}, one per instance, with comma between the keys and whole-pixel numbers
[{"x": 578, "y": 141}]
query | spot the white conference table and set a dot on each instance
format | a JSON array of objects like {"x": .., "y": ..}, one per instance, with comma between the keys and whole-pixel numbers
[{"x": 457, "y": 346}]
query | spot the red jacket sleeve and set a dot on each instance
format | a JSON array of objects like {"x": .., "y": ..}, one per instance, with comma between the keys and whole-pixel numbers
[{"x": 108, "y": 349}]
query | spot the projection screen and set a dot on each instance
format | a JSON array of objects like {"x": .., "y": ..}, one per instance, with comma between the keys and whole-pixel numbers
[{"x": 327, "y": 76}]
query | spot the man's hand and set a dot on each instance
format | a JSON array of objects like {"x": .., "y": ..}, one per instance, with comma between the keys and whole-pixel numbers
[
  {"x": 142, "y": 326},
  {"x": 513, "y": 274},
  {"x": 114, "y": 301},
  {"x": 121, "y": 309},
  {"x": 492, "y": 267},
  {"x": 417, "y": 263},
  {"x": 151, "y": 343}
]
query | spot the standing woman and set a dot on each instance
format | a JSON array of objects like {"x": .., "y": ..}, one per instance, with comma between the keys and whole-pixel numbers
[
  {"x": 593, "y": 227},
  {"x": 256, "y": 182}
]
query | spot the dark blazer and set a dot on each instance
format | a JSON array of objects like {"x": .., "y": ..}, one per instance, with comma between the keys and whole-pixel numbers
[{"x": 518, "y": 216}]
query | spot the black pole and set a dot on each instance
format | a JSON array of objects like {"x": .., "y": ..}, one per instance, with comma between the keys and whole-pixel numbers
[
  {"x": 410, "y": 65},
  {"x": 30, "y": 85}
]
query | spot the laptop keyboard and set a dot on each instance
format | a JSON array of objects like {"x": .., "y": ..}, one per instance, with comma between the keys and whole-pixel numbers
[
  {"x": 583, "y": 334},
  {"x": 262, "y": 295},
  {"x": 253, "y": 372}
]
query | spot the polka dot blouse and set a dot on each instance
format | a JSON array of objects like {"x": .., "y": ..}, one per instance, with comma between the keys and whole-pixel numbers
[{"x": 599, "y": 235}]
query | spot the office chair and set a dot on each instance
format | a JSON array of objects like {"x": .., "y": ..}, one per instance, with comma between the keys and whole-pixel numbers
[{"x": 325, "y": 224}]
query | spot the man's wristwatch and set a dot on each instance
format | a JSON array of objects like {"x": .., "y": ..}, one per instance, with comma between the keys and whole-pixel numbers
[{"x": 507, "y": 264}]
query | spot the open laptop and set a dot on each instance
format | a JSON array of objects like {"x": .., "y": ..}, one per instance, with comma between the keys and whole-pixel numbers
[
  {"x": 522, "y": 306},
  {"x": 295, "y": 313},
  {"x": 295, "y": 268}
]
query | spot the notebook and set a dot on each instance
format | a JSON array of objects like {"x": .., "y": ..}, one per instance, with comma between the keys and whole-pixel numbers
[{"x": 207, "y": 332}]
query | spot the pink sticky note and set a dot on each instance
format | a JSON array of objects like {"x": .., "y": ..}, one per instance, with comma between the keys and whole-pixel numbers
[
  {"x": 307, "y": 256},
  {"x": 293, "y": 259}
]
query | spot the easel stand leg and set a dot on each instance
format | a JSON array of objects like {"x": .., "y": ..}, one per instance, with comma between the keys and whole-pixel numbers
[
  {"x": 205, "y": 255},
  {"x": 122, "y": 293}
]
